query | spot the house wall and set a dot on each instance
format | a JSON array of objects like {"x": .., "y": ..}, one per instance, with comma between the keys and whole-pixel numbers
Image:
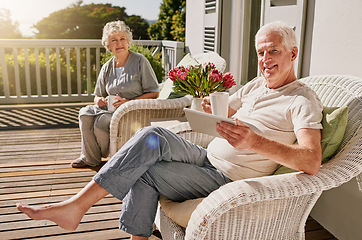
[
  {"x": 336, "y": 38},
  {"x": 333, "y": 46},
  {"x": 194, "y": 26}
]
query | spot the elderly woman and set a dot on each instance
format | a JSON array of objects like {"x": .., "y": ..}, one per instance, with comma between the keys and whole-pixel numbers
[{"x": 127, "y": 76}]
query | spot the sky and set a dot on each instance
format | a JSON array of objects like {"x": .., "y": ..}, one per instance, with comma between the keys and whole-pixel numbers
[{"x": 29, "y": 12}]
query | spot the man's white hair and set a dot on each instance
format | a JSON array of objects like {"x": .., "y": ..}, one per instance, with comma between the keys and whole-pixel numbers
[{"x": 287, "y": 34}]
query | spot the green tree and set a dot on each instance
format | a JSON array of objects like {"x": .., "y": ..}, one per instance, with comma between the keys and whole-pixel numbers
[
  {"x": 139, "y": 27},
  {"x": 87, "y": 21},
  {"x": 8, "y": 29},
  {"x": 178, "y": 24},
  {"x": 171, "y": 21}
]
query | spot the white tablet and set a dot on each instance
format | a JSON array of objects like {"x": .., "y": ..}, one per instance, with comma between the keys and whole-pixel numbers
[{"x": 205, "y": 122}]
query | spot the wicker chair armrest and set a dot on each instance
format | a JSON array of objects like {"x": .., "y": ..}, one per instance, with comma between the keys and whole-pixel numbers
[
  {"x": 184, "y": 130},
  {"x": 133, "y": 115}
]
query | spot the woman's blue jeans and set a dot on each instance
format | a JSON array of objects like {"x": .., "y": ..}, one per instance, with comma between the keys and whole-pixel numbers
[{"x": 156, "y": 161}]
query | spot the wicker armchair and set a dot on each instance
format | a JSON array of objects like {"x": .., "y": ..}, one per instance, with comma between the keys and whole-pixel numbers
[
  {"x": 277, "y": 206},
  {"x": 133, "y": 115}
]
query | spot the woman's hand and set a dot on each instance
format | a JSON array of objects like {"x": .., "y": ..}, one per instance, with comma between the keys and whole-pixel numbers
[
  {"x": 206, "y": 105},
  {"x": 100, "y": 101},
  {"x": 119, "y": 101},
  {"x": 239, "y": 136}
]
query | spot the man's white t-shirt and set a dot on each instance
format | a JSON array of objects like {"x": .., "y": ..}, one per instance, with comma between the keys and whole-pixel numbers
[{"x": 277, "y": 114}]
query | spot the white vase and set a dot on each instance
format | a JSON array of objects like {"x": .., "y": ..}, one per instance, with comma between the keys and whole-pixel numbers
[{"x": 196, "y": 104}]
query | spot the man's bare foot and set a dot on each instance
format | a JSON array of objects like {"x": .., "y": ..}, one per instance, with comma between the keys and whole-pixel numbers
[{"x": 64, "y": 215}]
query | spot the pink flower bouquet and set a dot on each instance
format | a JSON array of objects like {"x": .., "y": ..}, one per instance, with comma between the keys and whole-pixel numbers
[{"x": 200, "y": 81}]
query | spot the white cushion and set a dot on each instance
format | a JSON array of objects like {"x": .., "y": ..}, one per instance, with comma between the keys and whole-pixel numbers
[
  {"x": 179, "y": 212},
  {"x": 212, "y": 57}
]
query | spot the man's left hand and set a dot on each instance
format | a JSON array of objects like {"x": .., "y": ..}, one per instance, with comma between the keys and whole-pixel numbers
[{"x": 239, "y": 136}]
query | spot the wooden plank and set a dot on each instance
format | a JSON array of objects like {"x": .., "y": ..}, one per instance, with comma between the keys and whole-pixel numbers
[
  {"x": 105, "y": 234},
  {"x": 38, "y": 132},
  {"x": 43, "y": 172},
  {"x": 28, "y": 164},
  {"x": 34, "y": 140},
  {"x": 40, "y": 146},
  {"x": 34, "y": 156},
  {"x": 55, "y": 230},
  {"x": 42, "y": 187},
  {"x": 28, "y": 184},
  {"x": 50, "y": 193},
  {"x": 31, "y": 168},
  {"x": 27, "y": 223},
  {"x": 33, "y": 143},
  {"x": 15, "y": 179}
]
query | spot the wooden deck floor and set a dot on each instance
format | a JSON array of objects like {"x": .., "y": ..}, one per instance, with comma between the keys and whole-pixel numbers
[{"x": 35, "y": 169}]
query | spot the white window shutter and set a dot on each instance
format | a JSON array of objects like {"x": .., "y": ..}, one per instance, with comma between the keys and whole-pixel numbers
[
  {"x": 292, "y": 12},
  {"x": 212, "y": 25}
]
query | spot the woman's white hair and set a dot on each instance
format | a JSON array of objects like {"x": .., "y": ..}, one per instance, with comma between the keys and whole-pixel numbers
[
  {"x": 287, "y": 34},
  {"x": 115, "y": 27}
]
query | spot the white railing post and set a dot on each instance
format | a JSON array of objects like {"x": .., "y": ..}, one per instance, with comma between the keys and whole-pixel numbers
[
  {"x": 88, "y": 72},
  {"x": 59, "y": 80},
  {"x": 48, "y": 76},
  {"x": 37, "y": 72},
  {"x": 27, "y": 72},
  {"x": 16, "y": 72},
  {"x": 4, "y": 69},
  {"x": 172, "y": 53},
  {"x": 69, "y": 83}
]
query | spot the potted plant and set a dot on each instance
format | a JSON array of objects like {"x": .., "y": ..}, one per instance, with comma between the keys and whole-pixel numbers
[{"x": 199, "y": 81}]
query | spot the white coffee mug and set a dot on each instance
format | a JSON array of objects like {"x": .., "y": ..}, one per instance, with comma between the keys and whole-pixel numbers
[
  {"x": 220, "y": 103},
  {"x": 111, "y": 99}
]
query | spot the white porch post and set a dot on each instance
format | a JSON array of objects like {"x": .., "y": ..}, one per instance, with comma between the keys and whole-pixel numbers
[{"x": 239, "y": 41}]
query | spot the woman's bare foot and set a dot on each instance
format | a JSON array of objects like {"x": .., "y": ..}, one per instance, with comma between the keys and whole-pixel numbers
[{"x": 65, "y": 215}]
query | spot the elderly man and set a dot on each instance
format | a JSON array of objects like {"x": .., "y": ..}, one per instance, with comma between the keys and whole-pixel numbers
[{"x": 156, "y": 161}]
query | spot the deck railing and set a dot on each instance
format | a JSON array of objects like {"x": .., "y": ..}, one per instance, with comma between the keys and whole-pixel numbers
[{"x": 39, "y": 70}]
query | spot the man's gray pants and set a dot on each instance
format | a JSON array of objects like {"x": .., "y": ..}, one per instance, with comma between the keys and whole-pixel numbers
[{"x": 156, "y": 161}]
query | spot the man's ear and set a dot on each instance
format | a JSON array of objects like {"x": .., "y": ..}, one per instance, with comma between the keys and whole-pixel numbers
[{"x": 294, "y": 53}]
